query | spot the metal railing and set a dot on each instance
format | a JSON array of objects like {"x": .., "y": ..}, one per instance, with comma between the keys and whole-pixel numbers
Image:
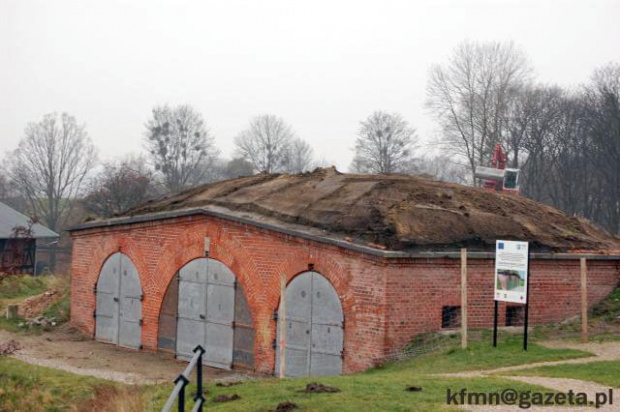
[{"x": 178, "y": 393}]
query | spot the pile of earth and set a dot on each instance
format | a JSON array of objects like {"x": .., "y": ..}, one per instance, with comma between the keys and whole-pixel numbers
[
  {"x": 395, "y": 212},
  {"x": 34, "y": 306}
]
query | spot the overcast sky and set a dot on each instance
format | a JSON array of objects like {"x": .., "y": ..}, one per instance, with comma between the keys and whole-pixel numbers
[{"x": 322, "y": 66}]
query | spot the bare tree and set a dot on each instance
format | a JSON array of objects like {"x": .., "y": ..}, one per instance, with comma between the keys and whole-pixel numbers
[
  {"x": 572, "y": 146},
  {"x": 602, "y": 103},
  {"x": 300, "y": 157},
  {"x": 50, "y": 165},
  {"x": 440, "y": 167},
  {"x": 119, "y": 187},
  {"x": 384, "y": 144},
  {"x": 470, "y": 94},
  {"x": 266, "y": 143},
  {"x": 180, "y": 146},
  {"x": 8, "y": 192}
]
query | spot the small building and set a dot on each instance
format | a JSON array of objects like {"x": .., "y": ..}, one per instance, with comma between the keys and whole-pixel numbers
[
  {"x": 369, "y": 263},
  {"x": 19, "y": 237}
]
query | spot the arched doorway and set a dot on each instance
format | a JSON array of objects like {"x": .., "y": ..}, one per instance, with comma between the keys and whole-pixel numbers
[
  {"x": 118, "y": 315},
  {"x": 204, "y": 305},
  {"x": 314, "y": 327}
]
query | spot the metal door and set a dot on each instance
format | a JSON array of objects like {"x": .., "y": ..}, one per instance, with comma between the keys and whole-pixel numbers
[
  {"x": 206, "y": 311},
  {"x": 314, "y": 327},
  {"x": 119, "y": 303},
  {"x": 243, "y": 345},
  {"x": 220, "y": 315},
  {"x": 107, "y": 311},
  {"x": 327, "y": 334},
  {"x": 130, "y": 311},
  {"x": 192, "y": 307}
]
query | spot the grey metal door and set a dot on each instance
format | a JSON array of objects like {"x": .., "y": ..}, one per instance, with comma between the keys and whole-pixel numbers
[
  {"x": 314, "y": 327},
  {"x": 220, "y": 315},
  {"x": 130, "y": 311},
  {"x": 108, "y": 292},
  {"x": 206, "y": 311},
  {"x": 119, "y": 303},
  {"x": 192, "y": 307}
]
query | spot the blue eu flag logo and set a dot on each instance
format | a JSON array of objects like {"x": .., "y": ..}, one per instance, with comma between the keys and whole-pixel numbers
[{"x": 500, "y": 245}]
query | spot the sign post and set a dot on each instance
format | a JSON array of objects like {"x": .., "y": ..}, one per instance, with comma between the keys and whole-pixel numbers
[
  {"x": 527, "y": 304},
  {"x": 511, "y": 279}
]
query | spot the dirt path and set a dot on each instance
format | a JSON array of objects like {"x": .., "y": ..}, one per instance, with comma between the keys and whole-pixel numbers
[
  {"x": 68, "y": 349},
  {"x": 602, "y": 352}
]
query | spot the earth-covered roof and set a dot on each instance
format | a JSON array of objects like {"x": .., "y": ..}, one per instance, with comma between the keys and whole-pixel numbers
[{"x": 393, "y": 212}]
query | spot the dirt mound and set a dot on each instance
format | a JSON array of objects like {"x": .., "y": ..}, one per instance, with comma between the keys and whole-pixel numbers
[
  {"x": 37, "y": 304},
  {"x": 319, "y": 388},
  {"x": 9, "y": 348},
  {"x": 285, "y": 407},
  {"x": 226, "y": 398},
  {"x": 397, "y": 212}
]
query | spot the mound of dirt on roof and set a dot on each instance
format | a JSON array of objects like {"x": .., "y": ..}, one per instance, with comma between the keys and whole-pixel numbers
[{"x": 395, "y": 211}]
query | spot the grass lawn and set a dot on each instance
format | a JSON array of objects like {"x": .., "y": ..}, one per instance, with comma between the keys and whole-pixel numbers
[
  {"x": 603, "y": 372},
  {"x": 362, "y": 392},
  {"x": 34, "y": 388},
  {"x": 25, "y": 387},
  {"x": 481, "y": 355},
  {"x": 382, "y": 388},
  {"x": 22, "y": 286}
]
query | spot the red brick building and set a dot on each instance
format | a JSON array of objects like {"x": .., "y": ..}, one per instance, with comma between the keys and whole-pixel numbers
[{"x": 365, "y": 272}]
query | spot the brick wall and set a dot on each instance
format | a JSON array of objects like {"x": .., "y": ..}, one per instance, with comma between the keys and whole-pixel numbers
[
  {"x": 419, "y": 289},
  {"x": 385, "y": 303}
]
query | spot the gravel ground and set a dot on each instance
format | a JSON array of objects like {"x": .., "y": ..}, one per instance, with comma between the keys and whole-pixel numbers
[{"x": 68, "y": 349}]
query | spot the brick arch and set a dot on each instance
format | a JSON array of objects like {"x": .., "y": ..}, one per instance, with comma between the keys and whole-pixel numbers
[
  {"x": 330, "y": 269},
  {"x": 113, "y": 245},
  {"x": 336, "y": 274},
  {"x": 190, "y": 246},
  {"x": 102, "y": 253}
]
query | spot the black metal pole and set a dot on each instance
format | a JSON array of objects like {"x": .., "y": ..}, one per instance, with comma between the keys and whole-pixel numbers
[
  {"x": 199, "y": 397},
  {"x": 182, "y": 398},
  {"x": 527, "y": 301},
  {"x": 496, "y": 312}
]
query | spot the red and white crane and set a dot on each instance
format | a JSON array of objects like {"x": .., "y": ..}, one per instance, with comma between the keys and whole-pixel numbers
[{"x": 497, "y": 177}]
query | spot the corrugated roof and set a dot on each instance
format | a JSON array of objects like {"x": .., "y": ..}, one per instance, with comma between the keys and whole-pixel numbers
[{"x": 11, "y": 218}]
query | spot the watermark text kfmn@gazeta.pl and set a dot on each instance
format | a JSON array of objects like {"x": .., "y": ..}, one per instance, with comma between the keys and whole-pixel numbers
[{"x": 527, "y": 399}]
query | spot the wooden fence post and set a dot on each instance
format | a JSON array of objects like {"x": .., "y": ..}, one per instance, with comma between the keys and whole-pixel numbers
[
  {"x": 584, "y": 301},
  {"x": 11, "y": 311},
  {"x": 463, "y": 298}
]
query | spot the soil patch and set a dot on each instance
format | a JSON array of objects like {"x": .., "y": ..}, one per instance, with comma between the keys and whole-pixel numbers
[
  {"x": 66, "y": 348},
  {"x": 413, "y": 389},
  {"x": 319, "y": 388},
  {"x": 226, "y": 398},
  {"x": 227, "y": 384},
  {"x": 9, "y": 348},
  {"x": 285, "y": 407},
  {"x": 37, "y": 304}
]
